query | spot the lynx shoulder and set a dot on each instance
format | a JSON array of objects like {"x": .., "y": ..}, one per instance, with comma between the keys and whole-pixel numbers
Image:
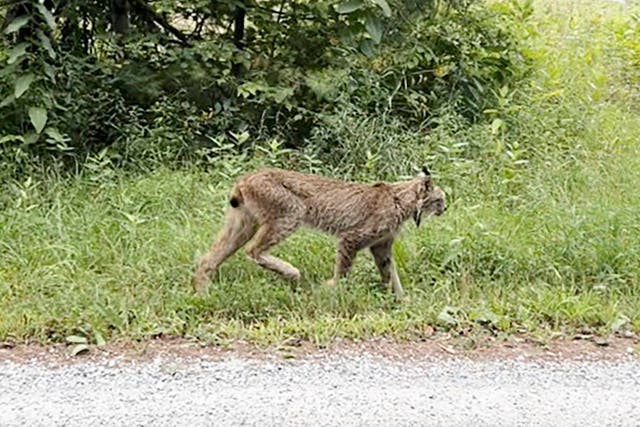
[{"x": 268, "y": 205}]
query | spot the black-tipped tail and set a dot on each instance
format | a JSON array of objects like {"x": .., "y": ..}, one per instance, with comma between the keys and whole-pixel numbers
[{"x": 235, "y": 198}]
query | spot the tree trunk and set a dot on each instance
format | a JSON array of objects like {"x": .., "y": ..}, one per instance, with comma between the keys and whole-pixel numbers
[
  {"x": 238, "y": 26},
  {"x": 238, "y": 35},
  {"x": 120, "y": 16}
]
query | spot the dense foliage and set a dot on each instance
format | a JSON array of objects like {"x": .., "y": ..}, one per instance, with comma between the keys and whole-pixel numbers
[{"x": 167, "y": 79}]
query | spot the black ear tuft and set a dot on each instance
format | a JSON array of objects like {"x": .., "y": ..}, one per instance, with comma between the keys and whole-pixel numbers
[
  {"x": 417, "y": 216},
  {"x": 425, "y": 171}
]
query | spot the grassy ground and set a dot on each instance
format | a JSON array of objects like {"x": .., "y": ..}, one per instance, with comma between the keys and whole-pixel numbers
[{"x": 541, "y": 235}]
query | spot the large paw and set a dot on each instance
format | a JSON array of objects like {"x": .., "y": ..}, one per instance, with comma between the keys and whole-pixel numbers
[
  {"x": 332, "y": 283},
  {"x": 199, "y": 285},
  {"x": 293, "y": 274},
  {"x": 199, "y": 281},
  {"x": 401, "y": 298}
]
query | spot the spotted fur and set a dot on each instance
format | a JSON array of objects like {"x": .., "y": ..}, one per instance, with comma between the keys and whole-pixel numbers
[{"x": 270, "y": 204}]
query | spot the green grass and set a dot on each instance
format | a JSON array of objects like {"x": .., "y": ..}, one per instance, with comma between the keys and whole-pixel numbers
[{"x": 542, "y": 232}]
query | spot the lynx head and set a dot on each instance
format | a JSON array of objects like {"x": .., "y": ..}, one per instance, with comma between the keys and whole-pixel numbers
[{"x": 430, "y": 200}]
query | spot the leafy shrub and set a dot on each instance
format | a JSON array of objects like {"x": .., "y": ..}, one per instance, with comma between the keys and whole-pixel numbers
[{"x": 289, "y": 78}]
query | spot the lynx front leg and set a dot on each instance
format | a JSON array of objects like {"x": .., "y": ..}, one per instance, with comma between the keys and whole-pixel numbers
[
  {"x": 267, "y": 237},
  {"x": 344, "y": 260},
  {"x": 395, "y": 282},
  {"x": 383, "y": 256}
]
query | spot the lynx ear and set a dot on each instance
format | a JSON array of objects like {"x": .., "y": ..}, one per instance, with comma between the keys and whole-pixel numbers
[
  {"x": 424, "y": 173},
  {"x": 425, "y": 179}
]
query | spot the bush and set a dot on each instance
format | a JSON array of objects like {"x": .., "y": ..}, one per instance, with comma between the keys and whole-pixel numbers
[{"x": 291, "y": 80}]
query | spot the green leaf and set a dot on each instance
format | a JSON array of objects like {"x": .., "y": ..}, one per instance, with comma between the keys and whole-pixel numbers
[
  {"x": 241, "y": 138},
  {"x": 78, "y": 349},
  {"x": 386, "y": 10},
  {"x": 16, "y": 24},
  {"x": 22, "y": 84},
  {"x": 76, "y": 339},
  {"x": 9, "y": 70},
  {"x": 100, "y": 341},
  {"x": 374, "y": 27},
  {"x": 46, "y": 43},
  {"x": 9, "y": 138},
  {"x": 367, "y": 47},
  {"x": 448, "y": 316},
  {"x": 484, "y": 317},
  {"x": 54, "y": 134},
  {"x": 350, "y": 6},
  {"x": 496, "y": 124},
  {"x": 351, "y": 32},
  {"x": 16, "y": 52},
  {"x": 46, "y": 14},
  {"x": 38, "y": 116},
  {"x": 248, "y": 89},
  {"x": 50, "y": 72},
  {"x": 31, "y": 138},
  {"x": 619, "y": 322},
  {"x": 8, "y": 100}
]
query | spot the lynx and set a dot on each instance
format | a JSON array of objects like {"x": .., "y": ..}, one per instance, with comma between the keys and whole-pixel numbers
[{"x": 270, "y": 204}]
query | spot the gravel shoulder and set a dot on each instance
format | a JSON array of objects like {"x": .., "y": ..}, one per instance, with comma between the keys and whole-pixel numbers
[{"x": 383, "y": 384}]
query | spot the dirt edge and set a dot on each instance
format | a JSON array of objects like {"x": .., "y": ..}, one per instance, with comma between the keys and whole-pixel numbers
[{"x": 442, "y": 347}]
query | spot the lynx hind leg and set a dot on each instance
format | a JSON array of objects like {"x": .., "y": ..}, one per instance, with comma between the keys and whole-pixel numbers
[
  {"x": 268, "y": 236},
  {"x": 383, "y": 256},
  {"x": 345, "y": 255},
  {"x": 238, "y": 230}
]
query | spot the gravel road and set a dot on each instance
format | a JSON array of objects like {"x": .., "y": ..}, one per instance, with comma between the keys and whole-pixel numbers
[{"x": 338, "y": 390}]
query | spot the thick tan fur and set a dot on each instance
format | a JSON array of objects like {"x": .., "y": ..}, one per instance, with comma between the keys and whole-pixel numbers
[{"x": 270, "y": 204}]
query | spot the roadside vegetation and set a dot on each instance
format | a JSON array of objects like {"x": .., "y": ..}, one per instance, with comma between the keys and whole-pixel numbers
[{"x": 115, "y": 171}]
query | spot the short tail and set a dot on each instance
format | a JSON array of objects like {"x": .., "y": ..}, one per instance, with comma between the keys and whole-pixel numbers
[{"x": 235, "y": 200}]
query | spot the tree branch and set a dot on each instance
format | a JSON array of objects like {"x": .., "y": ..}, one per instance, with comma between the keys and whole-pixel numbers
[
  {"x": 141, "y": 7},
  {"x": 197, "y": 31},
  {"x": 280, "y": 13}
]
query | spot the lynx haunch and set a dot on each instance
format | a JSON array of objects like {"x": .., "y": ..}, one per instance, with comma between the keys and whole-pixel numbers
[{"x": 270, "y": 204}]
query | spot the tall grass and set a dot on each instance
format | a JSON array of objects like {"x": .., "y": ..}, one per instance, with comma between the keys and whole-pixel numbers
[{"x": 541, "y": 234}]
